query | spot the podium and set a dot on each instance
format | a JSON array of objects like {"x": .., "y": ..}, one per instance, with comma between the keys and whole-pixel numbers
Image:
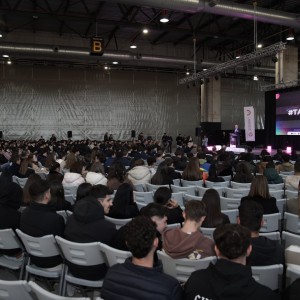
[{"x": 232, "y": 139}]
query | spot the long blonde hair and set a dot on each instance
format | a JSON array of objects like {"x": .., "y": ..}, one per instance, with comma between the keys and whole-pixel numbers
[{"x": 259, "y": 187}]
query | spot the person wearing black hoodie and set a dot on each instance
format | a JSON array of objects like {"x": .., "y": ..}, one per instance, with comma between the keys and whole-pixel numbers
[
  {"x": 87, "y": 224},
  {"x": 229, "y": 278}
]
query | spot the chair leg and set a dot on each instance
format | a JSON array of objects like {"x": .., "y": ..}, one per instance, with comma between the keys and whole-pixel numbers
[{"x": 62, "y": 283}]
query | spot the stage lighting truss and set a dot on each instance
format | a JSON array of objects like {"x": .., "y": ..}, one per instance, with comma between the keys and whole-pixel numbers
[
  {"x": 280, "y": 86},
  {"x": 232, "y": 64}
]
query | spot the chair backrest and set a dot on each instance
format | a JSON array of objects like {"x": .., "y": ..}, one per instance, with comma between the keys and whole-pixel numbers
[
  {"x": 208, "y": 232},
  {"x": 278, "y": 194},
  {"x": 65, "y": 214},
  {"x": 236, "y": 192},
  {"x": 226, "y": 178},
  {"x": 287, "y": 173},
  {"x": 281, "y": 204},
  {"x": 275, "y": 235},
  {"x": 230, "y": 203},
  {"x": 140, "y": 205},
  {"x": 186, "y": 183},
  {"x": 181, "y": 269},
  {"x": 175, "y": 225},
  {"x": 232, "y": 215},
  {"x": 211, "y": 185},
  {"x": 179, "y": 197},
  {"x": 292, "y": 273},
  {"x": 9, "y": 240},
  {"x": 202, "y": 190},
  {"x": 42, "y": 294},
  {"x": 183, "y": 189},
  {"x": 291, "y": 194},
  {"x": 152, "y": 187},
  {"x": 44, "y": 246},
  {"x": 292, "y": 223},
  {"x": 70, "y": 193},
  {"x": 20, "y": 181},
  {"x": 239, "y": 185},
  {"x": 276, "y": 186},
  {"x": 270, "y": 276},
  {"x": 15, "y": 290},
  {"x": 177, "y": 182},
  {"x": 118, "y": 222},
  {"x": 139, "y": 187},
  {"x": 289, "y": 239},
  {"x": 114, "y": 256},
  {"x": 188, "y": 197},
  {"x": 143, "y": 197},
  {"x": 271, "y": 222},
  {"x": 83, "y": 254}
]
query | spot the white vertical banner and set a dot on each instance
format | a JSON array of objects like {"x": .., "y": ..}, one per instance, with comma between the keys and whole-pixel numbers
[{"x": 249, "y": 123}]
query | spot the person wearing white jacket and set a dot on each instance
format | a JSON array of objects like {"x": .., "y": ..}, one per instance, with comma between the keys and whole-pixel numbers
[
  {"x": 139, "y": 174},
  {"x": 74, "y": 177},
  {"x": 95, "y": 178}
]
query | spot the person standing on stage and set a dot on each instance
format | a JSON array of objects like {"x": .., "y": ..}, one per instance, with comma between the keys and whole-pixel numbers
[{"x": 238, "y": 134}]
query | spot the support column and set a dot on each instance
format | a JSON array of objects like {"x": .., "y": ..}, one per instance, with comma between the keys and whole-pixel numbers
[
  {"x": 211, "y": 100},
  {"x": 287, "y": 65}
]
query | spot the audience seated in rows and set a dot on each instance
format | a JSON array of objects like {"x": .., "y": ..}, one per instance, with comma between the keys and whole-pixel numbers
[
  {"x": 116, "y": 176},
  {"x": 54, "y": 172},
  {"x": 264, "y": 251},
  {"x": 214, "y": 216},
  {"x": 26, "y": 195},
  {"x": 243, "y": 174},
  {"x": 286, "y": 165},
  {"x": 139, "y": 174},
  {"x": 124, "y": 206},
  {"x": 58, "y": 196},
  {"x": 229, "y": 278},
  {"x": 74, "y": 177},
  {"x": 163, "y": 196},
  {"x": 192, "y": 171},
  {"x": 40, "y": 218},
  {"x": 212, "y": 175},
  {"x": 292, "y": 181},
  {"x": 188, "y": 241},
  {"x": 259, "y": 192},
  {"x": 140, "y": 277},
  {"x": 271, "y": 174},
  {"x": 83, "y": 191}
]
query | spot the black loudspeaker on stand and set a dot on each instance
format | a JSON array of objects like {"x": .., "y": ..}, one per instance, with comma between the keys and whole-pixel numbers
[
  {"x": 69, "y": 134},
  {"x": 133, "y": 133}
]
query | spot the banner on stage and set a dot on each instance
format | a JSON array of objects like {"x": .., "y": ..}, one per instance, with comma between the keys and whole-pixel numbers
[{"x": 249, "y": 123}]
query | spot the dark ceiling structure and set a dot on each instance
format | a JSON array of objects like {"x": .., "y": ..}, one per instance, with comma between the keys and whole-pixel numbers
[{"x": 199, "y": 33}]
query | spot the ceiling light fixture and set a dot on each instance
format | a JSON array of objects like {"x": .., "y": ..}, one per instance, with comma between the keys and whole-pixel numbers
[
  {"x": 290, "y": 36},
  {"x": 164, "y": 17},
  {"x": 259, "y": 45},
  {"x": 145, "y": 31},
  {"x": 115, "y": 62},
  {"x": 105, "y": 67},
  {"x": 5, "y": 56},
  {"x": 133, "y": 46},
  {"x": 1, "y": 35},
  {"x": 9, "y": 62},
  {"x": 187, "y": 72},
  {"x": 255, "y": 78}
]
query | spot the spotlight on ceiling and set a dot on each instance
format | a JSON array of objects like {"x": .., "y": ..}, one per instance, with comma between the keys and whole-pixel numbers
[
  {"x": 145, "y": 31},
  {"x": 274, "y": 59},
  {"x": 255, "y": 78},
  {"x": 187, "y": 72},
  {"x": 115, "y": 62},
  {"x": 1, "y": 35},
  {"x": 9, "y": 62},
  {"x": 290, "y": 36},
  {"x": 164, "y": 18},
  {"x": 5, "y": 56},
  {"x": 133, "y": 46},
  {"x": 259, "y": 45},
  {"x": 106, "y": 67}
]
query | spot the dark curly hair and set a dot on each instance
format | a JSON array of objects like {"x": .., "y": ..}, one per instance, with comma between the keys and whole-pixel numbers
[
  {"x": 232, "y": 240},
  {"x": 139, "y": 236}
]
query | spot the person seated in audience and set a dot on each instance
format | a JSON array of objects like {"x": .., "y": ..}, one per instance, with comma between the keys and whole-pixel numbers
[
  {"x": 83, "y": 190},
  {"x": 243, "y": 174},
  {"x": 271, "y": 174},
  {"x": 95, "y": 178},
  {"x": 5, "y": 156},
  {"x": 25, "y": 171},
  {"x": 259, "y": 192},
  {"x": 292, "y": 181},
  {"x": 14, "y": 168},
  {"x": 229, "y": 278},
  {"x": 163, "y": 175},
  {"x": 26, "y": 196},
  {"x": 286, "y": 165},
  {"x": 50, "y": 160},
  {"x": 87, "y": 224},
  {"x": 212, "y": 175},
  {"x": 192, "y": 171},
  {"x": 139, "y": 174},
  {"x": 264, "y": 251},
  {"x": 139, "y": 277},
  {"x": 160, "y": 157},
  {"x": 163, "y": 196},
  {"x": 180, "y": 160},
  {"x": 54, "y": 172},
  {"x": 205, "y": 161},
  {"x": 124, "y": 206},
  {"x": 40, "y": 219},
  {"x": 116, "y": 176},
  {"x": 157, "y": 213},
  {"x": 214, "y": 216},
  {"x": 71, "y": 158},
  {"x": 261, "y": 166},
  {"x": 58, "y": 196},
  {"x": 110, "y": 158},
  {"x": 169, "y": 163},
  {"x": 247, "y": 159},
  {"x": 74, "y": 177},
  {"x": 188, "y": 241},
  {"x": 151, "y": 165}
]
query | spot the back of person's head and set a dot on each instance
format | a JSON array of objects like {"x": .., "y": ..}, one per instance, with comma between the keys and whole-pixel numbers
[
  {"x": 211, "y": 199},
  {"x": 270, "y": 165},
  {"x": 38, "y": 189},
  {"x": 83, "y": 190},
  {"x": 117, "y": 170},
  {"x": 297, "y": 166},
  {"x": 54, "y": 167},
  {"x": 151, "y": 160},
  {"x": 154, "y": 210},
  {"x": 15, "y": 158},
  {"x": 259, "y": 187},
  {"x": 6, "y": 175},
  {"x": 232, "y": 240},
  {"x": 286, "y": 157},
  {"x": 168, "y": 161},
  {"x": 96, "y": 167},
  {"x": 100, "y": 191},
  {"x": 57, "y": 192},
  {"x": 212, "y": 172},
  {"x": 123, "y": 198},
  {"x": 26, "y": 196},
  {"x": 138, "y": 162},
  {"x": 76, "y": 167},
  {"x": 251, "y": 214},
  {"x": 140, "y": 234},
  {"x": 162, "y": 195},
  {"x": 194, "y": 210}
]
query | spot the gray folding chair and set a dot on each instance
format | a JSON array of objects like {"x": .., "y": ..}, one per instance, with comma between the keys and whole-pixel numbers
[
  {"x": 143, "y": 197},
  {"x": 229, "y": 203},
  {"x": 14, "y": 290},
  {"x": 292, "y": 223},
  {"x": 152, "y": 187},
  {"x": 271, "y": 222},
  {"x": 185, "y": 190},
  {"x": 114, "y": 256},
  {"x": 237, "y": 193},
  {"x": 118, "y": 222},
  {"x": 208, "y": 232},
  {"x": 289, "y": 239},
  {"x": 275, "y": 235},
  {"x": 239, "y": 185},
  {"x": 232, "y": 214},
  {"x": 278, "y": 194},
  {"x": 292, "y": 273},
  {"x": 70, "y": 193},
  {"x": 186, "y": 183},
  {"x": 211, "y": 184},
  {"x": 201, "y": 190}
]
